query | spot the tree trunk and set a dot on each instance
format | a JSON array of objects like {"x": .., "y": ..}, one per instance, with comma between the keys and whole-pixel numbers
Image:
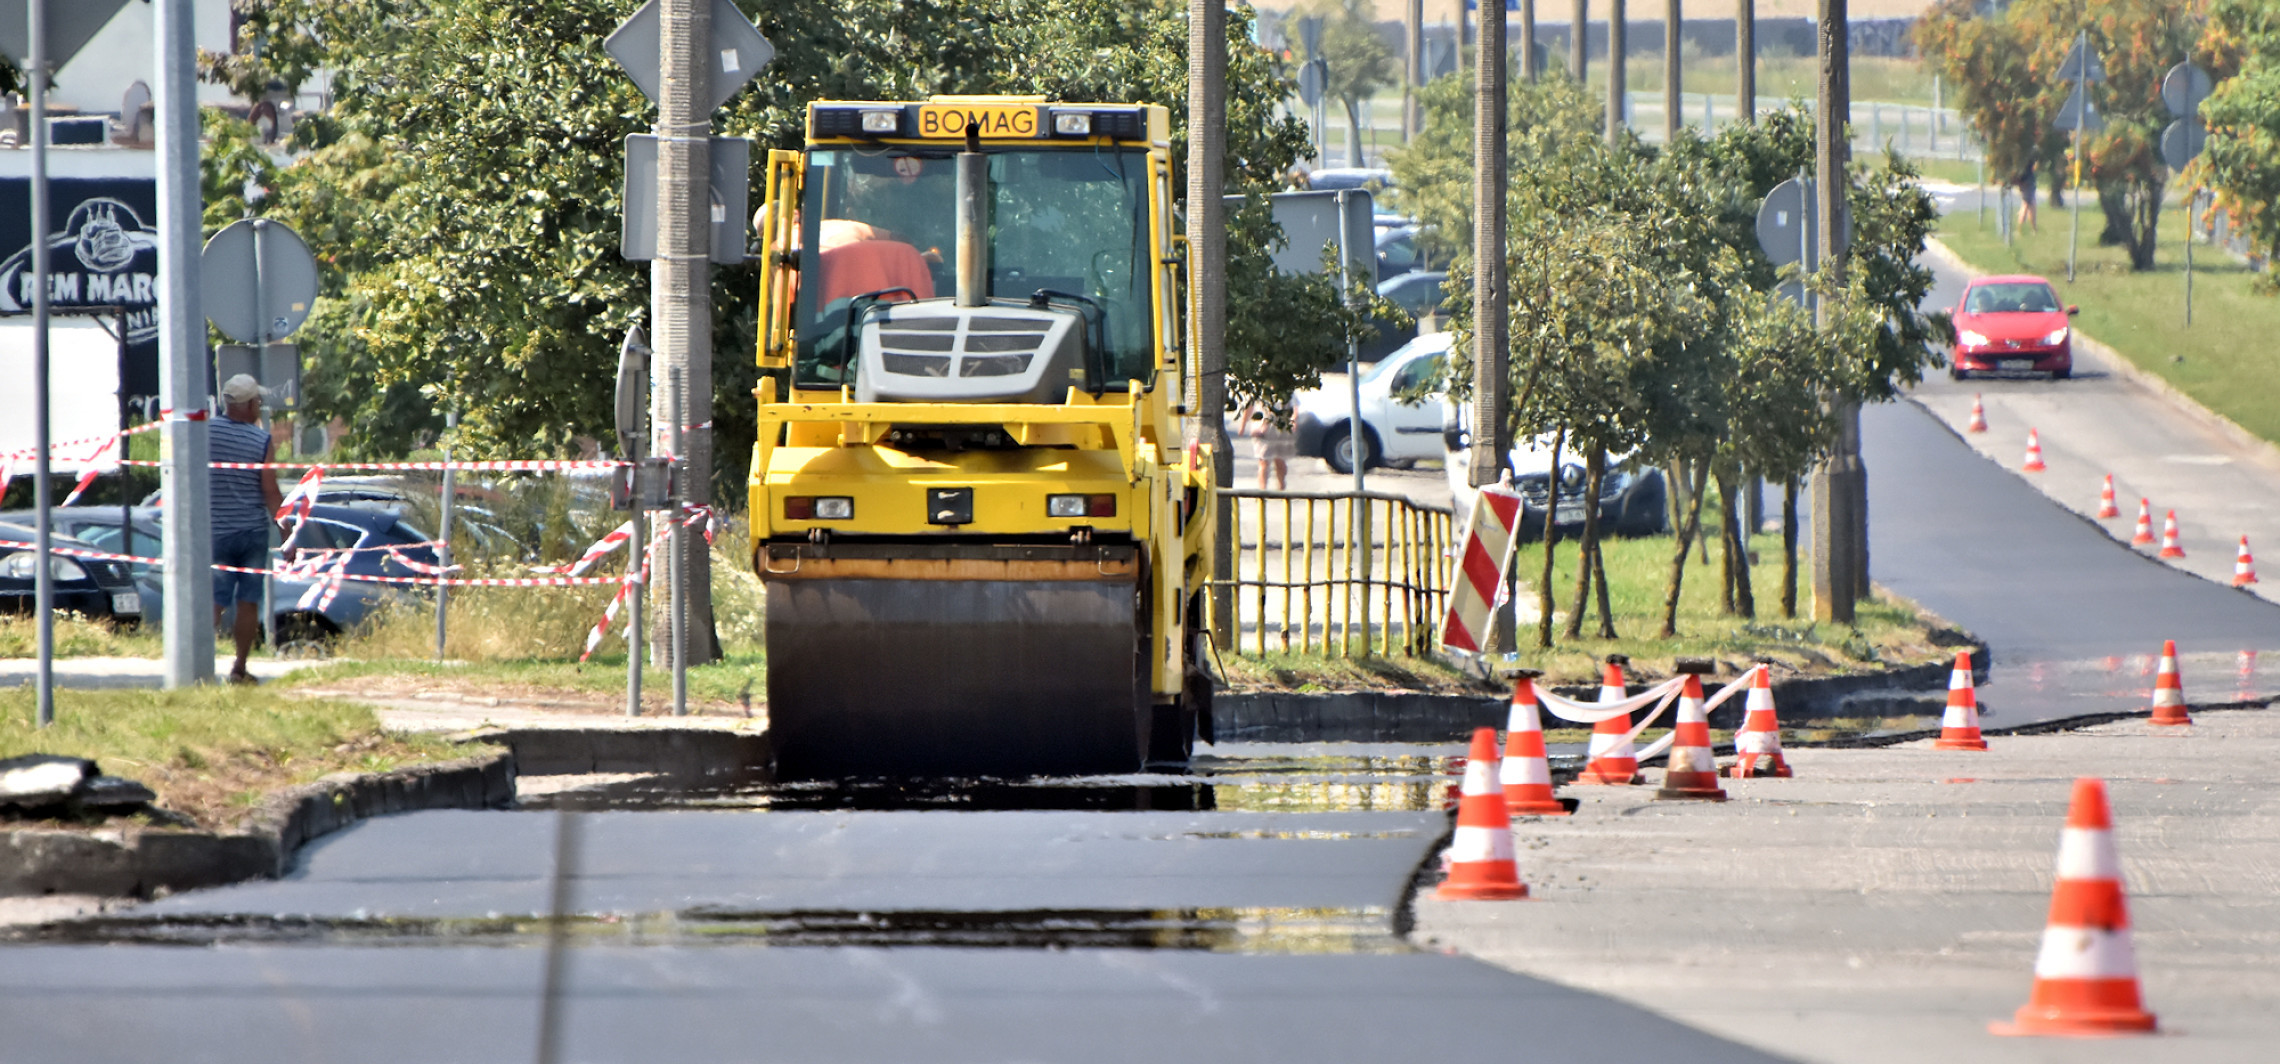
[
  {"x": 1726, "y": 534},
  {"x": 1738, "y": 548},
  {"x": 2145, "y": 225},
  {"x": 1353, "y": 133},
  {"x": 1551, "y": 538},
  {"x": 1594, "y": 465},
  {"x": 1789, "y": 548},
  {"x": 1685, "y": 546},
  {"x": 1599, "y": 579}
]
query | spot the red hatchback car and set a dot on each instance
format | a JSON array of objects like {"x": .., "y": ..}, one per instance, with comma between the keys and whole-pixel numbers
[{"x": 2012, "y": 324}]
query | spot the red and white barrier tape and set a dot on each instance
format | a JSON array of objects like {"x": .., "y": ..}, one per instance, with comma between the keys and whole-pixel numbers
[
  {"x": 101, "y": 444},
  {"x": 536, "y": 465},
  {"x": 284, "y": 573}
]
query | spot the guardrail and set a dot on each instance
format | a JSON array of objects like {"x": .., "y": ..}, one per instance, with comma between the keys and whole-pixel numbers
[{"x": 1338, "y": 573}]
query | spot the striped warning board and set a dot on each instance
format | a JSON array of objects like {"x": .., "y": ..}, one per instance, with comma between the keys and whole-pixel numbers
[{"x": 1482, "y": 560}]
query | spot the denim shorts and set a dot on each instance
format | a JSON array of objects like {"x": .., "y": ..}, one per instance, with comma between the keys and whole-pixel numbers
[{"x": 247, "y": 550}]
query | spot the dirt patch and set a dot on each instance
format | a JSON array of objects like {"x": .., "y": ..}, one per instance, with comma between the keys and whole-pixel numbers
[{"x": 484, "y": 691}]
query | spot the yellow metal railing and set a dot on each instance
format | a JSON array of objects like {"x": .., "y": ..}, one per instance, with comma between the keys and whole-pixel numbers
[{"x": 1338, "y": 573}]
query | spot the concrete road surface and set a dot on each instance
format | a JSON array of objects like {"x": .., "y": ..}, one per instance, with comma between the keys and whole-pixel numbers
[{"x": 1884, "y": 905}]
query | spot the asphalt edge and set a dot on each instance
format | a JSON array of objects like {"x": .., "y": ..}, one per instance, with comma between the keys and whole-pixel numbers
[{"x": 150, "y": 862}]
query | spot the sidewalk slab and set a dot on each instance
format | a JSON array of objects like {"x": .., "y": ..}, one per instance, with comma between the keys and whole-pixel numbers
[{"x": 1884, "y": 905}]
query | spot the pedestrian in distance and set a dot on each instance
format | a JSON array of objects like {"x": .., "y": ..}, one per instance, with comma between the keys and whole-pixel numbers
[
  {"x": 2027, "y": 197},
  {"x": 1271, "y": 443},
  {"x": 244, "y": 504}
]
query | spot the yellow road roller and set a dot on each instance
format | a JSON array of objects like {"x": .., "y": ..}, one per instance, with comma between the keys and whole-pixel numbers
[{"x": 983, "y": 536}]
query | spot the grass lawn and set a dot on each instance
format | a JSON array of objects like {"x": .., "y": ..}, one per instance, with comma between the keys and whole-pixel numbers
[
  {"x": 722, "y": 686},
  {"x": 78, "y": 637},
  {"x": 2223, "y": 359},
  {"x": 211, "y": 753}
]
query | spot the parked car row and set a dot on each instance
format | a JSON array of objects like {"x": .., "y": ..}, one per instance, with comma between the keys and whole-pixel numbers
[
  {"x": 1406, "y": 417},
  {"x": 137, "y": 589}
]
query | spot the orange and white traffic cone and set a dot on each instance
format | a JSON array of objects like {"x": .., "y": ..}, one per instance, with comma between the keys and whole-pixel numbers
[
  {"x": 1959, "y": 729},
  {"x": 1480, "y": 855},
  {"x": 1526, "y": 774},
  {"x": 2169, "y": 689},
  {"x": 1691, "y": 772},
  {"x": 2034, "y": 463},
  {"x": 2244, "y": 566},
  {"x": 2106, "y": 507},
  {"x": 2143, "y": 535},
  {"x": 1760, "y": 737},
  {"x": 1978, "y": 416},
  {"x": 2169, "y": 547},
  {"x": 2086, "y": 973},
  {"x": 1614, "y": 759}
]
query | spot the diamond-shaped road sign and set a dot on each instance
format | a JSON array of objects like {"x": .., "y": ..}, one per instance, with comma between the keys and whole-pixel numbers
[
  {"x": 737, "y": 46},
  {"x": 2071, "y": 69},
  {"x": 70, "y": 25},
  {"x": 2080, "y": 110},
  {"x": 1313, "y": 79}
]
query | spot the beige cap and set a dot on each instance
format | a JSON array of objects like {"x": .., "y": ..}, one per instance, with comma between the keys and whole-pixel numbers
[{"x": 242, "y": 389}]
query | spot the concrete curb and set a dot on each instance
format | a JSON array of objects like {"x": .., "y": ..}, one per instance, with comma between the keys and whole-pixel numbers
[
  {"x": 2262, "y": 450},
  {"x": 145, "y": 862},
  {"x": 1418, "y": 717}
]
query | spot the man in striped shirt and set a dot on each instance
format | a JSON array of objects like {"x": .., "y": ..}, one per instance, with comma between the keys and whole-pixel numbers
[{"x": 244, "y": 501}]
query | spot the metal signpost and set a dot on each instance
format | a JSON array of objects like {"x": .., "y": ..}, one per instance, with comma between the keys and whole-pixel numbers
[
  {"x": 1314, "y": 81},
  {"x": 2182, "y": 91},
  {"x": 632, "y": 424},
  {"x": 44, "y": 43},
  {"x": 259, "y": 284},
  {"x": 2082, "y": 66},
  {"x": 689, "y": 56}
]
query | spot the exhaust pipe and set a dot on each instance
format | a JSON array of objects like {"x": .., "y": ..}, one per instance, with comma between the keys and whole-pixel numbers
[{"x": 973, "y": 229}]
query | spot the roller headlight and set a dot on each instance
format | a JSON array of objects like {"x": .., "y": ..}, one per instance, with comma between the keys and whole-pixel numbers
[
  {"x": 1072, "y": 123},
  {"x": 818, "y": 508},
  {"x": 882, "y": 123},
  {"x": 1080, "y": 506}
]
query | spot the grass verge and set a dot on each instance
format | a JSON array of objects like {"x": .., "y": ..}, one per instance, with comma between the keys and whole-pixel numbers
[
  {"x": 79, "y": 637},
  {"x": 2222, "y": 360},
  {"x": 211, "y": 753}
]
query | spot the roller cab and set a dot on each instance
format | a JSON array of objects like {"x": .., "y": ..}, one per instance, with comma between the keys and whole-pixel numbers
[{"x": 971, "y": 503}]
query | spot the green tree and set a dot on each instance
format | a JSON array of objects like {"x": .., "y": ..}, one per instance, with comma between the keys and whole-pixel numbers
[
  {"x": 2242, "y": 163},
  {"x": 463, "y": 189},
  {"x": 2006, "y": 66},
  {"x": 1360, "y": 62}
]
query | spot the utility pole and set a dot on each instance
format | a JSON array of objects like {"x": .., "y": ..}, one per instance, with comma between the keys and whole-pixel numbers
[
  {"x": 1413, "y": 107},
  {"x": 1673, "y": 85},
  {"x": 1579, "y": 35},
  {"x": 1492, "y": 424},
  {"x": 1745, "y": 61},
  {"x": 1839, "y": 483},
  {"x": 1616, "y": 90},
  {"x": 1530, "y": 70},
  {"x": 680, "y": 292},
  {"x": 43, "y": 577},
  {"x": 187, "y": 519},
  {"x": 1207, "y": 241}
]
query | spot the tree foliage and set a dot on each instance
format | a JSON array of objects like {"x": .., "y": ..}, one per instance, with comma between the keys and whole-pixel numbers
[
  {"x": 1642, "y": 315},
  {"x": 1359, "y": 60},
  {"x": 2242, "y": 163},
  {"x": 2006, "y": 66},
  {"x": 463, "y": 190}
]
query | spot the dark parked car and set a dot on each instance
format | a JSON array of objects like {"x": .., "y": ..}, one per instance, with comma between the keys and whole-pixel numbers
[
  {"x": 330, "y": 527},
  {"x": 1633, "y": 499},
  {"x": 82, "y": 585}
]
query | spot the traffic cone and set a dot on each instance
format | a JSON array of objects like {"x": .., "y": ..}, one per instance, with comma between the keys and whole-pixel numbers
[
  {"x": 2086, "y": 973},
  {"x": 2169, "y": 547},
  {"x": 1959, "y": 730},
  {"x": 1691, "y": 771},
  {"x": 1760, "y": 736},
  {"x": 2143, "y": 536},
  {"x": 2034, "y": 454},
  {"x": 2244, "y": 566},
  {"x": 1614, "y": 759},
  {"x": 1978, "y": 417},
  {"x": 2169, "y": 689},
  {"x": 2106, "y": 507},
  {"x": 1526, "y": 774},
  {"x": 1480, "y": 856}
]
